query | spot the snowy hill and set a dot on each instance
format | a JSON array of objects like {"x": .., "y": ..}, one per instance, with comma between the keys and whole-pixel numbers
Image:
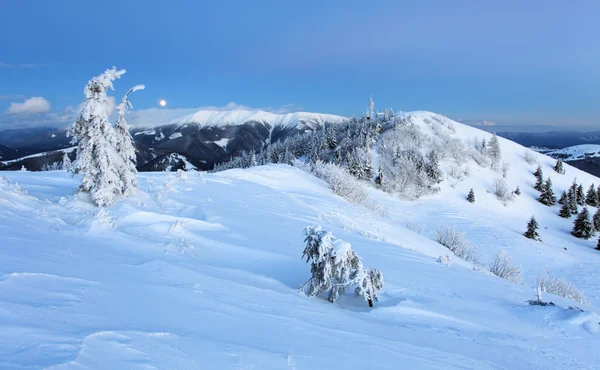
[
  {"x": 202, "y": 271},
  {"x": 577, "y": 152}
]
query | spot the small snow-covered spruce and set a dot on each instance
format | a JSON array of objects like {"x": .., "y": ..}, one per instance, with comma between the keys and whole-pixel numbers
[
  {"x": 432, "y": 168},
  {"x": 565, "y": 209},
  {"x": 66, "y": 162},
  {"x": 124, "y": 144},
  {"x": 518, "y": 190},
  {"x": 335, "y": 266},
  {"x": 572, "y": 199},
  {"x": 539, "y": 176},
  {"x": 471, "y": 196},
  {"x": 558, "y": 167},
  {"x": 547, "y": 196},
  {"x": 379, "y": 180},
  {"x": 580, "y": 195},
  {"x": 591, "y": 198},
  {"x": 502, "y": 267},
  {"x": 583, "y": 227},
  {"x": 531, "y": 232},
  {"x": 494, "y": 151},
  {"x": 563, "y": 199},
  {"x": 97, "y": 160},
  {"x": 596, "y": 220}
]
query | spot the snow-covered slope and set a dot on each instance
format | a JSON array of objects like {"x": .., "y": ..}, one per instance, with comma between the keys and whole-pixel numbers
[
  {"x": 577, "y": 152},
  {"x": 239, "y": 117},
  {"x": 201, "y": 271}
]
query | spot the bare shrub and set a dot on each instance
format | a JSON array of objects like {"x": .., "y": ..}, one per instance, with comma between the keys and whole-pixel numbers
[
  {"x": 560, "y": 287},
  {"x": 502, "y": 267},
  {"x": 529, "y": 157},
  {"x": 503, "y": 192},
  {"x": 505, "y": 169},
  {"x": 456, "y": 242},
  {"x": 412, "y": 225}
]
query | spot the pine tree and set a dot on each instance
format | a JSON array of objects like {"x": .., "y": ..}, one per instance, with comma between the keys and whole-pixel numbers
[
  {"x": 66, "y": 162},
  {"x": 124, "y": 145},
  {"x": 565, "y": 210},
  {"x": 379, "y": 180},
  {"x": 518, "y": 190},
  {"x": 596, "y": 220},
  {"x": 591, "y": 198},
  {"x": 563, "y": 199},
  {"x": 471, "y": 196},
  {"x": 572, "y": 198},
  {"x": 547, "y": 197},
  {"x": 97, "y": 160},
  {"x": 580, "y": 195},
  {"x": 432, "y": 167},
  {"x": 583, "y": 227},
  {"x": 494, "y": 150},
  {"x": 558, "y": 167},
  {"x": 539, "y": 175},
  {"x": 532, "y": 227}
]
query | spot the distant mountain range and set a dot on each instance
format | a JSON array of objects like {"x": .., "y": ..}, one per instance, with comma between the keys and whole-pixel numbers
[
  {"x": 198, "y": 140},
  {"x": 552, "y": 139}
]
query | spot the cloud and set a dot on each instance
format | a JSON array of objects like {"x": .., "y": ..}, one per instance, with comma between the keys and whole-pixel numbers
[
  {"x": 22, "y": 66},
  {"x": 489, "y": 123},
  {"x": 12, "y": 97},
  {"x": 34, "y": 105}
]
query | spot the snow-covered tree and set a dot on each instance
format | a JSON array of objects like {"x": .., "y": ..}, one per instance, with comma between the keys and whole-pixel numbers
[
  {"x": 531, "y": 232},
  {"x": 558, "y": 167},
  {"x": 124, "y": 144},
  {"x": 583, "y": 227},
  {"x": 580, "y": 195},
  {"x": 502, "y": 267},
  {"x": 471, "y": 196},
  {"x": 518, "y": 190},
  {"x": 596, "y": 220},
  {"x": 547, "y": 197},
  {"x": 335, "y": 266},
  {"x": 97, "y": 160},
  {"x": 539, "y": 179},
  {"x": 494, "y": 150},
  {"x": 591, "y": 198},
  {"x": 253, "y": 162},
  {"x": 565, "y": 209},
  {"x": 433, "y": 167},
  {"x": 563, "y": 199},
  {"x": 379, "y": 180},
  {"x": 598, "y": 245},
  {"x": 66, "y": 162}
]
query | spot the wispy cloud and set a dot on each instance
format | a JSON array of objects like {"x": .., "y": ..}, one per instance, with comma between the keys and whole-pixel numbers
[
  {"x": 12, "y": 97},
  {"x": 35, "y": 105},
  {"x": 21, "y": 66}
]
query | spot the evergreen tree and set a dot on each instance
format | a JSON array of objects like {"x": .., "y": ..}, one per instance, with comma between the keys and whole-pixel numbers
[
  {"x": 563, "y": 199},
  {"x": 124, "y": 145},
  {"x": 379, "y": 180},
  {"x": 572, "y": 198},
  {"x": 518, "y": 190},
  {"x": 565, "y": 210},
  {"x": 433, "y": 168},
  {"x": 253, "y": 162},
  {"x": 539, "y": 176},
  {"x": 483, "y": 147},
  {"x": 596, "y": 220},
  {"x": 471, "y": 196},
  {"x": 591, "y": 198},
  {"x": 532, "y": 227},
  {"x": 583, "y": 227},
  {"x": 97, "y": 160},
  {"x": 66, "y": 162},
  {"x": 547, "y": 197},
  {"x": 598, "y": 245},
  {"x": 580, "y": 195},
  {"x": 558, "y": 167},
  {"x": 494, "y": 150}
]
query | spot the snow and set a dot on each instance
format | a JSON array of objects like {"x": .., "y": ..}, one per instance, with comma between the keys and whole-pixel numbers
[
  {"x": 222, "y": 142},
  {"x": 208, "y": 118},
  {"x": 577, "y": 152},
  {"x": 202, "y": 270},
  {"x": 146, "y": 132},
  {"x": 175, "y": 135},
  {"x": 66, "y": 150}
]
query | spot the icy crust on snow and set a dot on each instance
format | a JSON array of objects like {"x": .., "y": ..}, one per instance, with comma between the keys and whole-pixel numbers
[
  {"x": 239, "y": 117},
  {"x": 577, "y": 152}
]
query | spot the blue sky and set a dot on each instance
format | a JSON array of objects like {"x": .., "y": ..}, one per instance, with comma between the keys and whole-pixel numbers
[{"x": 526, "y": 65}]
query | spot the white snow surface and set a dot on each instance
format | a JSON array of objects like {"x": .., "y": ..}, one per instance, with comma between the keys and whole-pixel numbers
[
  {"x": 66, "y": 150},
  {"x": 239, "y": 117},
  {"x": 201, "y": 271},
  {"x": 578, "y": 152}
]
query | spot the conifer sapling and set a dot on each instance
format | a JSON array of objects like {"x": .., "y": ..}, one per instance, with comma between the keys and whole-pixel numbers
[
  {"x": 583, "y": 227},
  {"x": 532, "y": 227},
  {"x": 471, "y": 196}
]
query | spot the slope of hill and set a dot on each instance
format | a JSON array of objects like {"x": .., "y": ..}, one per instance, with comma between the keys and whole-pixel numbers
[
  {"x": 576, "y": 152},
  {"x": 202, "y": 270}
]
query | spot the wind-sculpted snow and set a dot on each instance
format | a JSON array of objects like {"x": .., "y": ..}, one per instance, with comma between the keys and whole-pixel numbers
[{"x": 198, "y": 271}]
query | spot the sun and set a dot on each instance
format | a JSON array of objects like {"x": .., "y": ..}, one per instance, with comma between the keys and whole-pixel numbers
[{"x": 162, "y": 103}]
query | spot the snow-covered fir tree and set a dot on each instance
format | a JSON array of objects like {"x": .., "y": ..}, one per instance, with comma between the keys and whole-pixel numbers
[
  {"x": 531, "y": 232},
  {"x": 368, "y": 283},
  {"x": 572, "y": 198},
  {"x": 558, "y": 167},
  {"x": 433, "y": 167},
  {"x": 580, "y": 195},
  {"x": 518, "y": 190},
  {"x": 547, "y": 196},
  {"x": 591, "y": 198},
  {"x": 596, "y": 220},
  {"x": 471, "y": 196},
  {"x": 563, "y": 199},
  {"x": 66, "y": 162},
  {"x": 494, "y": 151},
  {"x": 124, "y": 144},
  {"x": 539, "y": 179},
  {"x": 97, "y": 160},
  {"x": 565, "y": 209},
  {"x": 379, "y": 180},
  {"x": 583, "y": 227}
]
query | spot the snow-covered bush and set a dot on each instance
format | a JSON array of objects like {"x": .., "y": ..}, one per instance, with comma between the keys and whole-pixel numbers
[
  {"x": 335, "y": 266},
  {"x": 560, "y": 287},
  {"x": 444, "y": 260},
  {"x": 502, "y": 191},
  {"x": 346, "y": 186},
  {"x": 55, "y": 166},
  {"x": 529, "y": 157},
  {"x": 411, "y": 224},
  {"x": 456, "y": 242},
  {"x": 502, "y": 267}
]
